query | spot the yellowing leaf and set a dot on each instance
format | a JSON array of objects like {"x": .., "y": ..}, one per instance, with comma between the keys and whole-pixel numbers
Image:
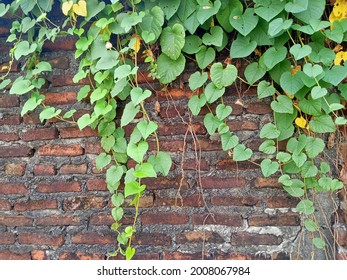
[
  {"x": 137, "y": 43},
  {"x": 339, "y": 11},
  {"x": 340, "y": 57},
  {"x": 300, "y": 122},
  {"x": 289, "y": 95},
  {"x": 80, "y": 8},
  {"x": 66, "y": 7}
]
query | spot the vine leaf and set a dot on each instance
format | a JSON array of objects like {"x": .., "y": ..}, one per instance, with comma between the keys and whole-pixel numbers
[
  {"x": 285, "y": 180},
  {"x": 145, "y": 170},
  {"x": 207, "y": 9},
  {"x": 205, "y": 56},
  {"x": 318, "y": 92},
  {"x": 265, "y": 89},
  {"x": 138, "y": 95},
  {"x": 197, "y": 80},
  {"x": 21, "y": 86},
  {"x": 113, "y": 176},
  {"x": 294, "y": 191},
  {"x": 278, "y": 25},
  {"x": 242, "y": 47},
  {"x": 102, "y": 160},
  {"x": 192, "y": 44},
  {"x": 226, "y": 10},
  {"x": 312, "y": 70},
  {"x": 318, "y": 242},
  {"x": 195, "y": 103},
  {"x": 215, "y": 37},
  {"x": 269, "y": 131},
  {"x": 169, "y": 7},
  {"x": 169, "y": 69},
  {"x": 310, "y": 225},
  {"x": 129, "y": 113},
  {"x": 299, "y": 159},
  {"x": 322, "y": 124},
  {"x": 291, "y": 83},
  {"x": 305, "y": 206},
  {"x": 241, "y": 153},
  {"x": 223, "y": 77},
  {"x": 299, "y": 51},
  {"x": 146, "y": 128},
  {"x": 161, "y": 162},
  {"x": 229, "y": 141},
  {"x": 152, "y": 24},
  {"x": 268, "y": 9},
  {"x": 268, "y": 147},
  {"x": 133, "y": 188},
  {"x": 282, "y": 105},
  {"x": 244, "y": 23},
  {"x": 137, "y": 152},
  {"x": 296, "y": 6},
  {"x": 223, "y": 111},
  {"x": 274, "y": 56},
  {"x": 172, "y": 41},
  {"x": 212, "y": 93},
  {"x": 269, "y": 167},
  {"x": 254, "y": 72},
  {"x": 211, "y": 123}
]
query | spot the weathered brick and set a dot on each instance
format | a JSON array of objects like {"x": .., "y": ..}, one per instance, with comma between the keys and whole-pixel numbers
[
  {"x": 92, "y": 238},
  {"x": 146, "y": 201},
  {"x": 184, "y": 201},
  {"x": 143, "y": 77},
  {"x": 242, "y": 125},
  {"x": 239, "y": 256},
  {"x": 32, "y": 118},
  {"x": 15, "y": 220},
  {"x": 60, "y": 44},
  {"x": 61, "y": 62},
  {"x": 75, "y": 132},
  {"x": 174, "y": 94},
  {"x": 276, "y": 201},
  {"x": 84, "y": 203},
  {"x": 15, "y": 151},
  {"x": 67, "y": 80},
  {"x": 38, "y": 255},
  {"x": 341, "y": 237},
  {"x": 155, "y": 239},
  {"x": 287, "y": 219},
  {"x": 9, "y": 255},
  {"x": 164, "y": 183},
  {"x": 58, "y": 220},
  {"x": 199, "y": 237},
  {"x": 341, "y": 256},
  {"x": 15, "y": 169},
  {"x": 96, "y": 185},
  {"x": 167, "y": 146},
  {"x": 44, "y": 170},
  {"x": 13, "y": 188},
  {"x": 216, "y": 182},
  {"x": 101, "y": 219},
  {"x": 31, "y": 205},
  {"x": 193, "y": 164},
  {"x": 233, "y": 220},
  {"x": 259, "y": 108},
  {"x": 7, "y": 238},
  {"x": 93, "y": 148},
  {"x": 9, "y": 101},
  {"x": 267, "y": 183},
  {"x": 81, "y": 256},
  {"x": 236, "y": 200},
  {"x": 60, "y": 98},
  {"x": 61, "y": 150},
  {"x": 180, "y": 129},
  {"x": 74, "y": 169},
  {"x": 209, "y": 145},
  {"x": 5, "y": 66},
  {"x": 4, "y": 205},
  {"x": 246, "y": 238},
  {"x": 8, "y": 137},
  {"x": 229, "y": 164},
  {"x": 164, "y": 218},
  {"x": 186, "y": 256},
  {"x": 138, "y": 256},
  {"x": 10, "y": 119},
  {"x": 40, "y": 239},
  {"x": 39, "y": 134},
  {"x": 171, "y": 111},
  {"x": 58, "y": 186}
]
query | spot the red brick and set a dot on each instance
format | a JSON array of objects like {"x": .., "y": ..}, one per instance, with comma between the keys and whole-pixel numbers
[
  {"x": 180, "y": 129},
  {"x": 61, "y": 150},
  {"x": 10, "y": 119},
  {"x": 4, "y": 66},
  {"x": 60, "y": 44},
  {"x": 39, "y": 134},
  {"x": 7, "y": 238},
  {"x": 75, "y": 132},
  {"x": 287, "y": 219},
  {"x": 236, "y": 200},
  {"x": 81, "y": 256},
  {"x": 15, "y": 151},
  {"x": 44, "y": 170},
  {"x": 267, "y": 183},
  {"x": 58, "y": 186},
  {"x": 38, "y": 255},
  {"x": 215, "y": 182},
  {"x": 61, "y": 62},
  {"x": 32, "y": 118},
  {"x": 192, "y": 164},
  {"x": 174, "y": 94},
  {"x": 92, "y": 238},
  {"x": 229, "y": 164},
  {"x": 96, "y": 185},
  {"x": 73, "y": 169},
  {"x": 58, "y": 220},
  {"x": 146, "y": 201},
  {"x": 167, "y": 146},
  {"x": 9, "y": 255},
  {"x": 84, "y": 203},
  {"x": 275, "y": 201},
  {"x": 185, "y": 201},
  {"x": 4, "y": 205},
  {"x": 67, "y": 80},
  {"x": 138, "y": 256},
  {"x": 164, "y": 218},
  {"x": 31, "y": 205},
  {"x": 259, "y": 108},
  {"x": 155, "y": 239},
  {"x": 245, "y": 238},
  {"x": 60, "y": 98},
  {"x": 171, "y": 110},
  {"x": 15, "y": 169},
  {"x": 8, "y": 137},
  {"x": 101, "y": 219},
  {"x": 233, "y": 220},
  {"x": 242, "y": 125},
  {"x": 341, "y": 237},
  {"x": 13, "y": 188},
  {"x": 209, "y": 145},
  {"x": 93, "y": 148},
  {"x": 239, "y": 256},
  {"x": 9, "y": 101},
  {"x": 143, "y": 77},
  {"x": 185, "y": 256},
  {"x": 341, "y": 256},
  {"x": 40, "y": 239},
  {"x": 15, "y": 221},
  {"x": 161, "y": 183},
  {"x": 199, "y": 237}
]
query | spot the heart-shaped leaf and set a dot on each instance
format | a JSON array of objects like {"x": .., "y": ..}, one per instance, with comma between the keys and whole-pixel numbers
[
  {"x": 318, "y": 92},
  {"x": 291, "y": 83},
  {"x": 172, "y": 41},
  {"x": 195, "y": 104},
  {"x": 254, "y": 72},
  {"x": 169, "y": 69},
  {"x": 223, "y": 111},
  {"x": 282, "y": 105},
  {"x": 133, "y": 188},
  {"x": 102, "y": 160},
  {"x": 215, "y": 37},
  {"x": 223, "y": 77},
  {"x": 244, "y": 23},
  {"x": 145, "y": 170},
  {"x": 241, "y": 153},
  {"x": 138, "y": 95},
  {"x": 285, "y": 180},
  {"x": 305, "y": 206},
  {"x": 299, "y": 159},
  {"x": 278, "y": 25},
  {"x": 322, "y": 124},
  {"x": 268, "y": 167},
  {"x": 212, "y": 93},
  {"x": 229, "y": 141},
  {"x": 205, "y": 56},
  {"x": 299, "y": 51},
  {"x": 296, "y": 6},
  {"x": 274, "y": 56},
  {"x": 242, "y": 47},
  {"x": 269, "y": 131},
  {"x": 211, "y": 123},
  {"x": 137, "y": 152},
  {"x": 161, "y": 162},
  {"x": 192, "y": 44},
  {"x": 129, "y": 113},
  {"x": 312, "y": 70},
  {"x": 265, "y": 89},
  {"x": 197, "y": 80},
  {"x": 268, "y": 147},
  {"x": 269, "y": 9},
  {"x": 129, "y": 253},
  {"x": 146, "y": 128}
]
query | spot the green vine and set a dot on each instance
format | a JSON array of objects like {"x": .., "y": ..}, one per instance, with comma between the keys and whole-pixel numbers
[{"x": 293, "y": 52}]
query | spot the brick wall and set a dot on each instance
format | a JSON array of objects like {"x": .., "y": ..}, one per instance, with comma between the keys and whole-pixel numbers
[{"x": 54, "y": 203}]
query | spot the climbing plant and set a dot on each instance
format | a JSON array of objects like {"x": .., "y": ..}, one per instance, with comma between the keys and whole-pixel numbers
[{"x": 294, "y": 56}]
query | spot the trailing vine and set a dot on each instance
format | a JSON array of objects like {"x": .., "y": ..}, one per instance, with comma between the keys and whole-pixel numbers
[{"x": 294, "y": 56}]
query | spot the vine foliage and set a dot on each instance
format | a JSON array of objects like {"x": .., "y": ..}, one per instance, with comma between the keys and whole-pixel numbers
[{"x": 294, "y": 56}]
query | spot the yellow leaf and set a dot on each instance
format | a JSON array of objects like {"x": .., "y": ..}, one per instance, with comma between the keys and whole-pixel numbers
[
  {"x": 339, "y": 11},
  {"x": 340, "y": 57},
  {"x": 66, "y": 7},
  {"x": 137, "y": 44},
  {"x": 300, "y": 122},
  {"x": 80, "y": 8}
]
